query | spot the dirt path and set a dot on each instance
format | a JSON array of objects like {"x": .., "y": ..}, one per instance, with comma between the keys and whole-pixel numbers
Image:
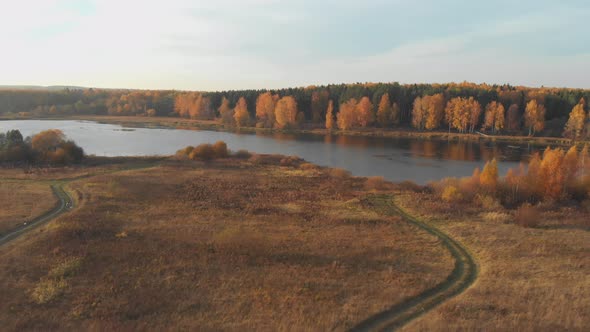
[
  {"x": 64, "y": 203},
  {"x": 462, "y": 276}
]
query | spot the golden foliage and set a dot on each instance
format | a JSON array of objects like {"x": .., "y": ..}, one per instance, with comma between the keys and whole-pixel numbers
[
  {"x": 330, "y": 115},
  {"x": 346, "y": 117},
  {"x": 286, "y": 112},
  {"x": 241, "y": 114}
]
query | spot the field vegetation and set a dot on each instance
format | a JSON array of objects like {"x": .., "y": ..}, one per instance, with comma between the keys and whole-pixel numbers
[{"x": 257, "y": 243}]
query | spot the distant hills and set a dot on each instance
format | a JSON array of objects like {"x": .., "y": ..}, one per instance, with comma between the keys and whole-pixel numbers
[{"x": 40, "y": 87}]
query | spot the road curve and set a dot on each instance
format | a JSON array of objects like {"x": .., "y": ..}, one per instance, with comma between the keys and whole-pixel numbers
[
  {"x": 64, "y": 203},
  {"x": 462, "y": 276}
]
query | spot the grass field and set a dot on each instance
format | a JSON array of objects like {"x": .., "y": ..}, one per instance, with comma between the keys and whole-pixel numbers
[
  {"x": 227, "y": 245},
  {"x": 22, "y": 201},
  {"x": 530, "y": 279}
]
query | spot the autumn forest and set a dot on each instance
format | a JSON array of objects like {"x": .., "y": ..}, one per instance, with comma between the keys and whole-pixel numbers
[{"x": 461, "y": 108}]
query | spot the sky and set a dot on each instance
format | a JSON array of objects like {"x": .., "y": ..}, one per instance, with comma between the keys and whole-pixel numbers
[{"x": 239, "y": 44}]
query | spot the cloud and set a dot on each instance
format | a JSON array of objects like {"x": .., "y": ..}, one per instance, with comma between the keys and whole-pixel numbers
[{"x": 229, "y": 44}]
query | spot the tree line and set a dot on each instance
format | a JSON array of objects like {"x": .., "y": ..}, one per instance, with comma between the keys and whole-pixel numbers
[
  {"x": 461, "y": 107},
  {"x": 47, "y": 147}
]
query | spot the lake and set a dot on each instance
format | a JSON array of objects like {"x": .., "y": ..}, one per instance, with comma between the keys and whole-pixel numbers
[{"x": 396, "y": 159}]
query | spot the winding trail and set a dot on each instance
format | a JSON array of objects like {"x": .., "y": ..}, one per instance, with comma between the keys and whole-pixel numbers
[
  {"x": 64, "y": 203},
  {"x": 462, "y": 276}
]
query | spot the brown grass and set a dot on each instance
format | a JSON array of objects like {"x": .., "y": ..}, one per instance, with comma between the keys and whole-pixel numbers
[
  {"x": 22, "y": 201},
  {"x": 222, "y": 246},
  {"x": 530, "y": 279}
]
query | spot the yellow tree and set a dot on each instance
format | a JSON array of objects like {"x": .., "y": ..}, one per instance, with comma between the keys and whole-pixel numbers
[
  {"x": 575, "y": 125},
  {"x": 494, "y": 117},
  {"x": 365, "y": 114},
  {"x": 346, "y": 117},
  {"x": 265, "y": 109},
  {"x": 474, "y": 113},
  {"x": 570, "y": 166},
  {"x": 584, "y": 161},
  {"x": 286, "y": 112},
  {"x": 226, "y": 114},
  {"x": 330, "y": 115},
  {"x": 534, "y": 116},
  {"x": 241, "y": 115},
  {"x": 551, "y": 174},
  {"x": 384, "y": 112},
  {"x": 489, "y": 176},
  {"x": 435, "y": 106},
  {"x": 418, "y": 113}
]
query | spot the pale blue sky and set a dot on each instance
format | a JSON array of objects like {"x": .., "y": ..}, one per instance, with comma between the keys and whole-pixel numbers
[{"x": 233, "y": 44}]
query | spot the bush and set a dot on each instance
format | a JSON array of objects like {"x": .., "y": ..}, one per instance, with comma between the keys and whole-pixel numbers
[
  {"x": 290, "y": 161},
  {"x": 376, "y": 183},
  {"x": 242, "y": 154},
  {"x": 411, "y": 186},
  {"x": 451, "y": 194},
  {"x": 527, "y": 215},
  {"x": 203, "y": 152},
  {"x": 339, "y": 173},
  {"x": 220, "y": 149},
  {"x": 308, "y": 166}
]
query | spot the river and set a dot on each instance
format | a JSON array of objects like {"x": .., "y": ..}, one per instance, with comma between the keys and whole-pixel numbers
[{"x": 396, "y": 159}]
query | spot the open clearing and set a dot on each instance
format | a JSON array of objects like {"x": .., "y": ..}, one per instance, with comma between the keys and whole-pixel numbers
[
  {"x": 228, "y": 245},
  {"x": 530, "y": 279},
  {"x": 22, "y": 201}
]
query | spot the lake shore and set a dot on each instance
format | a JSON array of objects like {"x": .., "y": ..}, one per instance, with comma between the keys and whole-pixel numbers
[{"x": 191, "y": 124}]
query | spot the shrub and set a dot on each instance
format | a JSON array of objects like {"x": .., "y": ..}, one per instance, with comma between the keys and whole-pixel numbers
[
  {"x": 290, "y": 161},
  {"x": 527, "y": 215},
  {"x": 339, "y": 173},
  {"x": 202, "y": 152},
  {"x": 220, "y": 149},
  {"x": 376, "y": 183},
  {"x": 184, "y": 153},
  {"x": 451, "y": 194},
  {"x": 308, "y": 166},
  {"x": 410, "y": 186},
  {"x": 242, "y": 154}
]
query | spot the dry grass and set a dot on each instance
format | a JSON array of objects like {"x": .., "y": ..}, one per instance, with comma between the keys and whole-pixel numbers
[
  {"x": 530, "y": 279},
  {"x": 222, "y": 246},
  {"x": 22, "y": 201}
]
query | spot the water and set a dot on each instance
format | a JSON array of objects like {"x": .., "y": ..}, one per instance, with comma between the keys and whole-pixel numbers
[{"x": 396, "y": 159}]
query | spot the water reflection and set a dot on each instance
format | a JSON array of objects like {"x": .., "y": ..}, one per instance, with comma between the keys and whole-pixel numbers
[{"x": 396, "y": 159}]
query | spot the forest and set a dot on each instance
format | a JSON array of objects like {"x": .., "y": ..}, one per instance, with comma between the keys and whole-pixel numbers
[{"x": 457, "y": 107}]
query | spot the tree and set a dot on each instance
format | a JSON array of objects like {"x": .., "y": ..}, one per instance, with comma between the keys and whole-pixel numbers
[
  {"x": 513, "y": 118},
  {"x": 226, "y": 114},
  {"x": 577, "y": 120},
  {"x": 265, "y": 109},
  {"x": 365, "y": 115},
  {"x": 435, "y": 106},
  {"x": 418, "y": 113},
  {"x": 385, "y": 112},
  {"x": 48, "y": 140},
  {"x": 330, "y": 115},
  {"x": 286, "y": 112},
  {"x": 489, "y": 176},
  {"x": 395, "y": 114},
  {"x": 346, "y": 117},
  {"x": 241, "y": 115},
  {"x": 494, "y": 117},
  {"x": 319, "y": 104},
  {"x": 534, "y": 116},
  {"x": 474, "y": 113},
  {"x": 551, "y": 174},
  {"x": 428, "y": 111}
]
